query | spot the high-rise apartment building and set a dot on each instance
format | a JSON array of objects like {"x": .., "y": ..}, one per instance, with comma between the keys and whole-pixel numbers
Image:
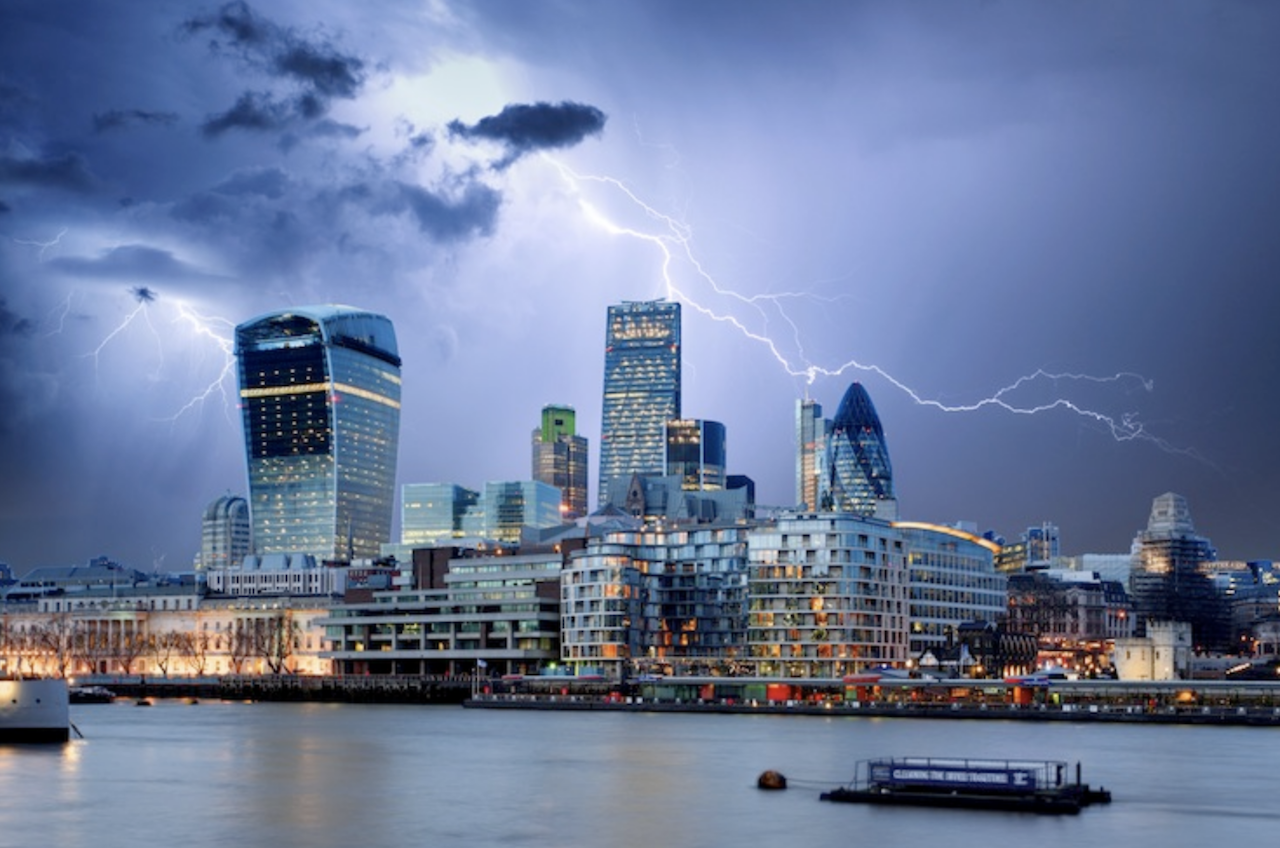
[
  {"x": 857, "y": 460},
  {"x": 641, "y": 389},
  {"x": 320, "y": 402},
  {"x": 696, "y": 454},
  {"x": 225, "y": 537},
  {"x": 560, "y": 459},
  {"x": 811, "y": 444}
]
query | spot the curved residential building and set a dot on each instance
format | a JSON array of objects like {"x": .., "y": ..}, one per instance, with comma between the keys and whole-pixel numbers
[
  {"x": 320, "y": 402},
  {"x": 858, "y": 470}
]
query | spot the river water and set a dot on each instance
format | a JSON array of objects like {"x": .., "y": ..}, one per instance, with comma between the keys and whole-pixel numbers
[{"x": 247, "y": 774}]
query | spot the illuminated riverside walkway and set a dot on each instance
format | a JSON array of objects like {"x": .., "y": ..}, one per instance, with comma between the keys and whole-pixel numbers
[{"x": 1171, "y": 702}]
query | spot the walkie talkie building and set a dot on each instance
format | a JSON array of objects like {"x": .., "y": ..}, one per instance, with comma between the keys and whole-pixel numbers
[{"x": 320, "y": 402}]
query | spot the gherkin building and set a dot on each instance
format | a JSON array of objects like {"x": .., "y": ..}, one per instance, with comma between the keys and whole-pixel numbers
[{"x": 858, "y": 471}]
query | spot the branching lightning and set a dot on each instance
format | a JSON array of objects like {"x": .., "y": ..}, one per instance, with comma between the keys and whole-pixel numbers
[
  {"x": 43, "y": 245},
  {"x": 199, "y": 326},
  {"x": 674, "y": 240}
]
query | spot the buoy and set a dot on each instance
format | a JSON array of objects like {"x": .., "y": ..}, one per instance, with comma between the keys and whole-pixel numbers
[{"x": 771, "y": 780}]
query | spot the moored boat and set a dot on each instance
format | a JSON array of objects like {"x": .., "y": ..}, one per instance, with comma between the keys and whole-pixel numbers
[
  {"x": 1020, "y": 786},
  {"x": 91, "y": 695},
  {"x": 34, "y": 709}
]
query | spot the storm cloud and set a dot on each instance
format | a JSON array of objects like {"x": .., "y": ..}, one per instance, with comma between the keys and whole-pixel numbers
[
  {"x": 525, "y": 128},
  {"x": 316, "y": 67}
]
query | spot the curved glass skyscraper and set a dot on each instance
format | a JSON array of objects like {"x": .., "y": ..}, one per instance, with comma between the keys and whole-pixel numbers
[
  {"x": 320, "y": 402},
  {"x": 858, "y": 470}
]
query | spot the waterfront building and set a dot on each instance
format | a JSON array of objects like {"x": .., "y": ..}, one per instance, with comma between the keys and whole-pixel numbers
[
  {"x": 696, "y": 454},
  {"x": 812, "y": 431},
  {"x": 225, "y": 537},
  {"x": 1075, "y": 615},
  {"x": 1163, "y": 653},
  {"x": 497, "y": 614},
  {"x": 560, "y": 459},
  {"x": 858, "y": 472},
  {"x": 641, "y": 389},
  {"x": 951, "y": 581},
  {"x": 320, "y": 401},
  {"x": 437, "y": 513},
  {"x": 828, "y": 596},
  {"x": 277, "y": 575},
  {"x": 1169, "y": 580},
  {"x": 665, "y": 600}
]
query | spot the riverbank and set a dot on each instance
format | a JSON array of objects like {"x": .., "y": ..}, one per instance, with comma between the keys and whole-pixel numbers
[{"x": 1130, "y": 714}]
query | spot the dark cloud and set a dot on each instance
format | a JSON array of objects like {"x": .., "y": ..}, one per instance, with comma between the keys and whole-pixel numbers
[
  {"x": 130, "y": 262},
  {"x": 252, "y": 111},
  {"x": 12, "y": 324},
  {"x": 474, "y": 213},
  {"x": 142, "y": 294},
  {"x": 524, "y": 128},
  {"x": 68, "y": 171},
  {"x": 321, "y": 71},
  {"x": 116, "y": 119}
]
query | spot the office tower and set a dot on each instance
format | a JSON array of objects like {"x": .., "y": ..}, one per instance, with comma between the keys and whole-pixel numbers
[
  {"x": 560, "y": 459},
  {"x": 1168, "y": 580},
  {"x": 432, "y": 514},
  {"x": 696, "y": 454},
  {"x": 857, "y": 460},
  {"x": 1043, "y": 543},
  {"x": 510, "y": 506},
  {"x": 225, "y": 538},
  {"x": 641, "y": 389},
  {"x": 320, "y": 401},
  {"x": 811, "y": 442}
]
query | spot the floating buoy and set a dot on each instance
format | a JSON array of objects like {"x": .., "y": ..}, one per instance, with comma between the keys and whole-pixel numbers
[{"x": 771, "y": 780}]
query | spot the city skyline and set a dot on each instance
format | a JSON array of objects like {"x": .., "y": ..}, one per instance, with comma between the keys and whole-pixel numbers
[{"x": 963, "y": 196}]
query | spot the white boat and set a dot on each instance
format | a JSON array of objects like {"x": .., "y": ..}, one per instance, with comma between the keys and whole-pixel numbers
[{"x": 34, "y": 709}]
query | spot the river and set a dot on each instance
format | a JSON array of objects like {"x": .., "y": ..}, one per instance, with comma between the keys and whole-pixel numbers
[{"x": 247, "y": 774}]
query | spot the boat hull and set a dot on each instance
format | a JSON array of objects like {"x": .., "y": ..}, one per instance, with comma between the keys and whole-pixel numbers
[{"x": 34, "y": 710}]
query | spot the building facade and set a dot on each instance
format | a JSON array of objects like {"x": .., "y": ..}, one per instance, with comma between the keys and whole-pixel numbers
[
  {"x": 437, "y": 513},
  {"x": 811, "y": 441},
  {"x": 641, "y": 389},
  {"x": 320, "y": 401},
  {"x": 225, "y": 533},
  {"x": 560, "y": 459},
  {"x": 657, "y": 600},
  {"x": 858, "y": 473},
  {"x": 1169, "y": 579},
  {"x": 828, "y": 596},
  {"x": 696, "y": 454},
  {"x": 952, "y": 581}
]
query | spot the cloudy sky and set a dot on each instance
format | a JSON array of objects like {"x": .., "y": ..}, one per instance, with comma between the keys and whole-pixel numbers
[{"x": 1071, "y": 207}]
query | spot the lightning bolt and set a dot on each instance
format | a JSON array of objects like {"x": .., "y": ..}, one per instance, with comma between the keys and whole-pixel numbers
[
  {"x": 43, "y": 245},
  {"x": 673, "y": 239},
  {"x": 202, "y": 325},
  {"x": 214, "y": 329}
]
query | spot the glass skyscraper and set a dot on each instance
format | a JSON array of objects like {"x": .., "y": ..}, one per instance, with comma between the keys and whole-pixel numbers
[
  {"x": 696, "y": 454},
  {"x": 811, "y": 442},
  {"x": 857, "y": 459},
  {"x": 560, "y": 459},
  {"x": 320, "y": 402},
  {"x": 641, "y": 389}
]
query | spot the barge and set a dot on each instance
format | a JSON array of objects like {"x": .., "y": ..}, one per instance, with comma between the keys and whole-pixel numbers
[
  {"x": 34, "y": 710},
  {"x": 1009, "y": 785}
]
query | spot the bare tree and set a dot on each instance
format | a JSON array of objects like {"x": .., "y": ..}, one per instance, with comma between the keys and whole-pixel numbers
[
  {"x": 130, "y": 646},
  {"x": 274, "y": 640},
  {"x": 162, "y": 647},
  {"x": 54, "y": 638}
]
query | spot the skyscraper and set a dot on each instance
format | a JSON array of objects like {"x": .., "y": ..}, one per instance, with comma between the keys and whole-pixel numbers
[
  {"x": 811, "y": 445},
  {"x": 1167, "y": 580},
  {"x": 320, "y": 401},
  {"x": 560, "y": 459},
  {"x": 696, "y": 454},
  {"x": 225, "y": 532},
  {"x": 641, "y": 389},
  {"x": 857, "y": 460}
]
